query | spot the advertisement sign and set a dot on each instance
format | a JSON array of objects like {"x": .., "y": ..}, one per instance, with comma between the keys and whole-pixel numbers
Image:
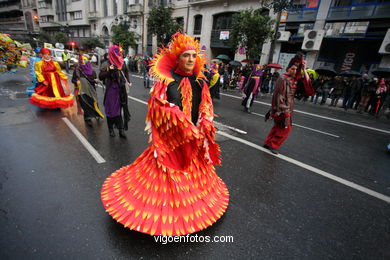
[
  {"x": 284, "y": 60},
  {"x": 224, "y": 35}
]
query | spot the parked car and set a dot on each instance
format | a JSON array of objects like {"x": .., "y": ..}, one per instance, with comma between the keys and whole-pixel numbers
[{"x": 57, "y": 56}]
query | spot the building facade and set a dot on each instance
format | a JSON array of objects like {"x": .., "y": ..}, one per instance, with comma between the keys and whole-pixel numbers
[
  {"x": 16, "y": 18},
  {"x": 346, "y": 34}
]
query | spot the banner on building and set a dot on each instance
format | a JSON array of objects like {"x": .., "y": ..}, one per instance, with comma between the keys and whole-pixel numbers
[
  {"x": 284, "y": 60},
  {"x": 283, "y": 17},
  {"x": 224, "y": 35}
]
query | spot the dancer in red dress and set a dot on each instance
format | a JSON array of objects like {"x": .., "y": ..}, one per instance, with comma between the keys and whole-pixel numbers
[
  {"x": 172, "y": 187},
  {"x": 49, "y": 92}
]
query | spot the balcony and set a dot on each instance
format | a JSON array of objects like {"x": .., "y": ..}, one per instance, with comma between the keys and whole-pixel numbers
[
  {"x": 92, "y": 16},
  {"x": 359, "y": 12},
  {"x": 10, "y": 7},
  {"x": 302, "y": 15},
  {"x": 198, "y": 2},
  {"x": 135, "y": 9},
  {"x": 215, "y": 41},
  {"x": 46, "y": 12}
]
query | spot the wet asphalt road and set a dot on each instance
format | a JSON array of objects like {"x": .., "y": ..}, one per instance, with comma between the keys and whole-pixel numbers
[{"x": 279, "y": 208}]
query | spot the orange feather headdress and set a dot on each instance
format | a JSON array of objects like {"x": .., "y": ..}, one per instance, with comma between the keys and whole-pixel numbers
[{"x": 165, "y": 60}]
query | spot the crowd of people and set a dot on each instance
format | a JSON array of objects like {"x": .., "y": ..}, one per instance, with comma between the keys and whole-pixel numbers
[{"x": 360, "y": 93}]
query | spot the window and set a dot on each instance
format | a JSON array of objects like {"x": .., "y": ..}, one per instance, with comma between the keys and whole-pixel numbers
[
  {"x": 356, "y": 28},
  {"x": 125, "y": 4},
  {"x": 105, "y": 13},
  {"x": 198, "y": 24},
  {"x": 364, "y": 1},
  {"x": 76, "y": 15},
  {"x": 180, "y": 21},
  {"x": 114, "y": 7},
  {"x": 341, "y": 2},
  {"x": 47, "y": 18},
  {"x": 223, "y": 21},
  {"x": 334, "y": 29},
  {"x": 303, "y": 27}
]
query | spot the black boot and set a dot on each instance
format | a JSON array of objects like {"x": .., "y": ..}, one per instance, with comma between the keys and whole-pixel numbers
[
  {"x": 122, "y": 134},
  {"x": 88, "y": 122},
  {"x": 111, "y": 131}
]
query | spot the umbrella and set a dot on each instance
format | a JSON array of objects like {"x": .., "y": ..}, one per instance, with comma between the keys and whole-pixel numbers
[
  {"x": 327, "y": 71},
  {"x": 235, "y": 63},
  {"x": 274, "y": 65},
  {"x": 312, "y": 72},
  {"x": 350, "y": 73},
  {"x": 381, "y": 72},
  {"x": 223, "y": 57},
  {"x": 247, "y": 60}
]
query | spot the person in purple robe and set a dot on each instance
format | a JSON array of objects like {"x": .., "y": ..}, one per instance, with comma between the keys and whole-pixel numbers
[
  {"x": 115, "y": 76},
  {"x": 252, "y": 88}
]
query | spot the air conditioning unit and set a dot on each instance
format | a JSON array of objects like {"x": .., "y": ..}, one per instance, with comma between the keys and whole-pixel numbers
[
  {"x": 385, "y": 47},
  {"x": 312, "y": 40},
  {"x": 283, "y": 36}
]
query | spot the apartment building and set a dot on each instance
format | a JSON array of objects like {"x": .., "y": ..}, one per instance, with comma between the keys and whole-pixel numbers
[{"x": 16, "y": 18}]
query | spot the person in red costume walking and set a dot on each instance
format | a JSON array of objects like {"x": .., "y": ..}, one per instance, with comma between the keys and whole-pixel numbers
[
  {"x": 283, "y": 101},
  {"x": 49, "y": 92},
  {"x": 172, "y": 188}
]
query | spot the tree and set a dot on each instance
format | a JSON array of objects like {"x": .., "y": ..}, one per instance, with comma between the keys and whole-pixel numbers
[
  {"x": 61, "y": 38},
  {"x": 44, "y": 37},
  {"x": 92, "y": 43},
  {"x": 123, "y": 36},
  {"x": 161, "y": 24},
  {"x": 278, "y": 6},
  {"x": 250, "y": 29}
]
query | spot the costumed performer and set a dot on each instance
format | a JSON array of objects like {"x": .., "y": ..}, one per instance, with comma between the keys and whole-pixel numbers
[
  {"x": 214, "y": 81},
  {"x": 252, "y": 88},
  {"x": 33, "y": 60},
  {"x": 49, "y": 92},
  {"x": 115, "y": 76},
  {"x": 84, "y": 78},
  {"x": 172, "y": 188},
  {"x": 283, "y": 102}
]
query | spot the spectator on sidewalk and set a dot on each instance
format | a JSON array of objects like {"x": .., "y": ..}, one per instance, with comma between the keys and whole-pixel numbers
[
  {"x": 337, "y": 92},
  {"x": 355, "y": 92},
  {"x": 274, "y": 77},
  {"x": 366, "y": 92}
]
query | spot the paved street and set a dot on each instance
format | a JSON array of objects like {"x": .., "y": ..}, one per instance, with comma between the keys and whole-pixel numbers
[{"x": 325, "y": 196}]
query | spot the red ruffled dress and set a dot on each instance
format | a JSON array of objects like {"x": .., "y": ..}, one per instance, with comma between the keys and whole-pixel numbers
[
  {"x": 50, "y": 95},
  {"x": 172, "y": 188}
]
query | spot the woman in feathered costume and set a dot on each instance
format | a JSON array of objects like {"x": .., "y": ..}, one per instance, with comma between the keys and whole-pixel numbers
[
  {"x": 49, "y": 92},
  {"x": 172, "y": 187}
]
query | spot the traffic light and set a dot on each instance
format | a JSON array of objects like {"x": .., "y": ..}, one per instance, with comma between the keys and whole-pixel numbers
[
  {"x": 73, "y": 44},
  {"x": 36, "y": 18}
]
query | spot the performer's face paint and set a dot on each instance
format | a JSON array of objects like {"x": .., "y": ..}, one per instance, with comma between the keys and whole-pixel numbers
[
  {"x": 46, "y": 56},
  {"x": 292, "y": 71},
  {"x": 187, "y": 61}
]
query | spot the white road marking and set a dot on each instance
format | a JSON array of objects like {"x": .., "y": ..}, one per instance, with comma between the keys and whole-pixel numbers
[
  {"x": 319, "y": 116},
  {"x": 138, "y": 100},
  {"x": 305, "y": 127},
  {"x": 300, "y": 164},
  {"x": 84, "y": 141},
  {"x": 231, "y": 128},
  {"x": 311, "y": 168}
]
